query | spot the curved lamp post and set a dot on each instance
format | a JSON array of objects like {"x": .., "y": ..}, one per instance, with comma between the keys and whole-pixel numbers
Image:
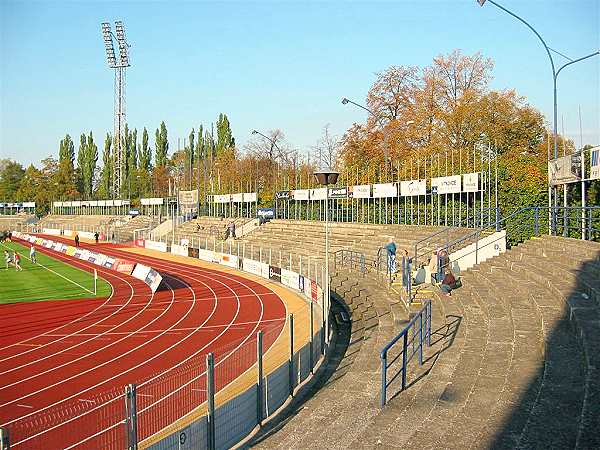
[
  {"x": 386, "y": 150},
  {"x": 325, "y": 178},
  {"x": 555, "y": 72}
]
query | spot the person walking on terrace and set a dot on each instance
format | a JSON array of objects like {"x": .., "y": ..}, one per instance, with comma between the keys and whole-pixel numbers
[
  {"x": 391, "y": 254},
  {"x": 77, "y": 240}
]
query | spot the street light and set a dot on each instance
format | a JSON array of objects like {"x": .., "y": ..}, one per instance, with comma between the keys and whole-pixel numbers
[
  {"x": 555, "y": 72},
  {"x": 325, "y": 178},
  {"x": 345, "y": 101}
]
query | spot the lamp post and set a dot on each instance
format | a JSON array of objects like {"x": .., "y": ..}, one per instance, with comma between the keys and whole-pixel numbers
[
  {"x": 555, "y": 74},
  {"x": 386, "y": 150},
  {"x": 325, "y": 178}
]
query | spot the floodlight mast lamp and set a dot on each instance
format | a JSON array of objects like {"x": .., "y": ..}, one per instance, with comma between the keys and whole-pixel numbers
[
  {"x": 386, "y": 151},
  {"x": 119, "y": 65},
  {"x": 325, "y": 178}
]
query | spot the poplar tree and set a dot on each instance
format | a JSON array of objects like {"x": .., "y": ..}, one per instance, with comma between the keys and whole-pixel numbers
[
  {"x": 106, "y": 174},
  {"x": 225, "y": 140},
  {"x": 161, "y": 145}
]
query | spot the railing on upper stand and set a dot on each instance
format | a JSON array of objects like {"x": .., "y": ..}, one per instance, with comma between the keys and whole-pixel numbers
[
  {"x": 350, "y": 258},
  {"x": 525, "y": 223},
  {"x": 398, "y": 353}
]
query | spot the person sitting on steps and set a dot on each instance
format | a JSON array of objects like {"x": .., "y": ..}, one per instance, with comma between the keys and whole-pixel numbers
[{"x": 448, "y": 283}]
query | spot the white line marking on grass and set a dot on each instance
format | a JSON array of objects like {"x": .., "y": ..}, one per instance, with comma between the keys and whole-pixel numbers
[{"x": 56, "y": 273}]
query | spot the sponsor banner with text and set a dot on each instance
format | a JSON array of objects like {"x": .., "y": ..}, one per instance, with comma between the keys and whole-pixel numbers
[
  {"x": 385, "y": 190},
  {"x": 177, "y": 249},
  {"x": 470, "y": 182},
  {"x": 595, "y": 163},
  {"x": 290, "y": 279},
  {"x": 155, "y": 245},
  {"x": 123, "y": 266},
  {"x": 411, "y": 188},
  {"x": 318, "y": 194},
  {"x": 360, "y": 191},
  {"x": 228, "y": 260},
  {"x": 206, "y": 255},
  {"x": 275, "y": 273},
  {"x": 447, "y": 185},
  {"x": 301, "y": 194}
]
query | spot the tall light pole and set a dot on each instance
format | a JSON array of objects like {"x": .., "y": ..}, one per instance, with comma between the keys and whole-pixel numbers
[
  {"x": 555, "y": 72},
  {"x": 386, "y": 151},
  {"x": 325, "y": 178}
]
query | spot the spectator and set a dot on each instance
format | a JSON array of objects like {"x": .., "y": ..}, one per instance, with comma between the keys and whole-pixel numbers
[
  {"x": 96, "y": 236},
  {"x": 443, "y": 263},
  {"x": 76, "y": 240},
  {"x": 433, "y": 267},
  {"x": 7, "y": 258},
  {"x": 231, "y": 229},
  {"x": 448, "y": 283},
  {"x": 32, "y": 255},
  {"x": 17, "y": 259},
  {"x": 391, "y": 254}
]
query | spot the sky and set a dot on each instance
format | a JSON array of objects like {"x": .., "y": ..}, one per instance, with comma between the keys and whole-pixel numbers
[{"x": 271, "y": 64}]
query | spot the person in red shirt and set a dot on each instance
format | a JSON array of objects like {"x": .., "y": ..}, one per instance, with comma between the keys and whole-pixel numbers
[
  {"x": 448, "y": 283},
  {"x": 17, "y": 259}
]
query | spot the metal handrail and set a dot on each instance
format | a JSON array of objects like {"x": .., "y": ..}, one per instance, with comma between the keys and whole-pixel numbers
[
  {"x": 423, "y": 318},
  {"x": 356, "y": 259}
]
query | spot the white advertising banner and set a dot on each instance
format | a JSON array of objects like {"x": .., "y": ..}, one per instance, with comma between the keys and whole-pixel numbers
[
  {"x": 228, "y": 260},
  {"x": 86, "y": 234},
  {"x": 595, "y": 163},
  {"x": 318, "y": 194},
  {"x": 109, "y": 202},
  {"x": 447, "y": 185},
  {"x": 411, "y": 188},
  {"x": 471, "y": 182},
  {"x": 28, "y": 204},
  {"x": 53, "y": 231},
  {"x": 290, "y": 278},
  {"x": 222, "y": 198},
  {"x": 237, "y": 198},
  {"x": 154, "y": 245},
  {"x": 255, "y": 267},
  {"x": 250, "y": 197},
  {"x": 188, "y": 198},
  {"x": 152, "y": 201},
  {"x": 117, "y": 202},
  {"x": 101, "y": 202},
  {"x": 385, "y": 190},
  {"x": 301, "y": 194},
  {"x": 360, "y": 191},
  {"x": 206, "y": 255},
  {"x": 140, "y": 272},
  {"x": 57, "y": 204},
  {"x": 75, "y": 203},
  {"x": 179, "y": 250}
]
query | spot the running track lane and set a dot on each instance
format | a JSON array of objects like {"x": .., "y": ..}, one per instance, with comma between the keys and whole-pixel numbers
[{"x": 168, "y": 351}]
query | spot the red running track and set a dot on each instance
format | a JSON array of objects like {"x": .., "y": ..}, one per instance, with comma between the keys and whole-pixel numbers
[{"x": 64, "y": 364}]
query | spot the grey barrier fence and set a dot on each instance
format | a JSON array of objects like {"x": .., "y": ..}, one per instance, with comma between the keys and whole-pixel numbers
[{"x": 187, "y": 404}]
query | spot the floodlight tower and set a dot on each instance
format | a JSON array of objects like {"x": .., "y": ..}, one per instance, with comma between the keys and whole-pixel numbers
[{"x": 119, "y": 64}]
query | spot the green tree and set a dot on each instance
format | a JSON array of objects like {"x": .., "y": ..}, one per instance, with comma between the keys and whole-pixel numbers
[
  {"x": 145, "y": 156},
  {"x": 11, "y": 175},
  {"x": 80, "y": 171},
  {"x": 105, "y": 188},
  {"x": 225, "y": 140},
  {"x": 90, "y": 165},
  {"x": 161, "y": 146},
  {"x": 66, "y": 151}
]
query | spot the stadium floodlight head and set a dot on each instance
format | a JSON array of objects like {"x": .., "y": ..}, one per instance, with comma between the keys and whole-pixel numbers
[
  {"x": 108, "y": 44},
  {"x": 123, "y": 54},
  {"x": 345, "y": 101},
  {"x": 481, "y": 2},
  {"x": 326, "y": 177}
]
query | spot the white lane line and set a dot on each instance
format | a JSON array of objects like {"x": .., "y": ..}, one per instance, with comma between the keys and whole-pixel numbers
[
  {"x": 24, "y": 406},
  {"x": 108, "y": 299}
]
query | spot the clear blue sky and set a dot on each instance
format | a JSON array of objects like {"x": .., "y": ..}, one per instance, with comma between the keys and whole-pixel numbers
[{"x": 269, "y": 64}]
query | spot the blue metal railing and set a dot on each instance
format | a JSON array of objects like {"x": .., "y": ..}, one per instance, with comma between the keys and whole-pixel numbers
[
  {"x": 413, "y": 336},
  {"x": 351, "y": 258}
]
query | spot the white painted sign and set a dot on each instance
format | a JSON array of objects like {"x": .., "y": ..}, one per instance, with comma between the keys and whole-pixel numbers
[
  {"x": 301, "y": 194},
  {"x": 290, "y": 278},
  {"x": 385, "y": 190},
  {"x": 250, "y": 197},
  {"x": 179, "y": 250},
  {"x": 412, "y": 188},
  {"x": 361, "y": 191},
  {"x": 154, "y": 245},
  {"x": 471, "y": 182},
  {"x": 228, "y": 260},
  {"x": 318, "y": 194},
  {"x": 223, "y": 198},
  {"x": 206, "y": 255},
  {"x": 255, "y": 267},
  {"x": 237, "y": 198},
  {"x": 152, "y": 201},
  {"x": 447, "y": 185}
]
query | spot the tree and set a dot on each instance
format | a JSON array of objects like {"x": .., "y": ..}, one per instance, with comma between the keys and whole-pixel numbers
[
  {"x": 105, "y": 188},
  {"x": 90, "y": 166},
  {"x": 66, "y": 151},
  {"x": 225, "y": 140},
  {"x": 190, "y": 157},
  {"x": 81, "y": 163},
  {"x": 161, "y": 145},
  {"x": 10, "y": 178},
  {"x": 327, "y": 149},
  {"x": 145, "y": 155}
]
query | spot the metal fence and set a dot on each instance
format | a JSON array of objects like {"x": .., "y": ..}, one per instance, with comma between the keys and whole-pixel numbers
[
  {"x": 398, "y": 353},
  {"x": 183, "y": 402}
]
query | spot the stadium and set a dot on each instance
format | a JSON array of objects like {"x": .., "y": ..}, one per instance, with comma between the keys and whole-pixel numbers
[{"x": 431, "y": 279}]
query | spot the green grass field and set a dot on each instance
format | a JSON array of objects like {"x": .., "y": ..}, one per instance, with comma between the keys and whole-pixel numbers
[{"x": 50, "y": 279}]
